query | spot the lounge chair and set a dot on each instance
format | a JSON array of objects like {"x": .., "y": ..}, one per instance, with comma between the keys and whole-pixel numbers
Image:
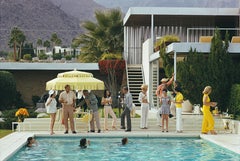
[
  {"x": 205, "y": 39},
  {"x": 235, "y": 39}
]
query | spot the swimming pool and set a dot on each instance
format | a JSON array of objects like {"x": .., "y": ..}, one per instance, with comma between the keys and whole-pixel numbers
[{"x": 153, "y": 149}]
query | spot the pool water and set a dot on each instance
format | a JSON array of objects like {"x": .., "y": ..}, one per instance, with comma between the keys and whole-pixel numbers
[{"x": 138, "y": 149}]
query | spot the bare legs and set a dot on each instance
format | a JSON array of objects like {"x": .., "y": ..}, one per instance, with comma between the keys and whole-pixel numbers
[
  {"x": 53, "y": 117},
  {"x": 108, "y": 110},
  {"x": 164, "y": 118}
]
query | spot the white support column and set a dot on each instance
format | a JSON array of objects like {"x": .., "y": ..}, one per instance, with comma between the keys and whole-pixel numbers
[
  {"x": 150, "y": 65},
  {"x": 175, "y": 65},
  {"x": 125, "y": 51}
]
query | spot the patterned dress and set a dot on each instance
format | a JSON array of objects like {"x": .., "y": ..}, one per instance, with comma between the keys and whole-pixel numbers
[{"x": 165, "y": 107}]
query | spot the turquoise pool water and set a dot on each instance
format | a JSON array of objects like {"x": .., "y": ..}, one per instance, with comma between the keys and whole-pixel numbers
[{"x": 110, "y": 149}]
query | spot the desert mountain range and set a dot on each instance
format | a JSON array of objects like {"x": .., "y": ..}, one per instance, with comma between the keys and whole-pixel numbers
[{"x": 41, "y": 18}]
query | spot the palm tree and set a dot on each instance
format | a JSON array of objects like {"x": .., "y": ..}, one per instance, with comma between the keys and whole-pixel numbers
[
  {"x": 16, "y": 41},
  {"x": 55, "y": 41},
  {"x": 103, "y": 36},
  {"x": 47, "y": 44},
  {"x": 39, "y": 42}
]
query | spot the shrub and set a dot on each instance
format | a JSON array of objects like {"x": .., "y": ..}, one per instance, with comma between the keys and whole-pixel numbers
[
  {"x": 68, "y": 57},
  {"x": 42, "y": 56},
  {"x": 18, "y": 102},
  {"x": 57, "y": 56},
  {"x": 166, "y": 39},
  {"x": 3, "y": 54},
  {"x": 8, "y": 90},
  {"x": 9, "y": 117},
  {"x": 27, "y": 57},
  {"x": 32, "y": 113},
  {"x": 234, "y": 103},
  {"x": 35, "y": 99}
]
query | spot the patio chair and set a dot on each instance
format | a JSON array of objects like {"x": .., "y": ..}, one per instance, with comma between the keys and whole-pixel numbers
[
  {"x": 205, "y": 39},
  {"x": 235, "y": 39}
]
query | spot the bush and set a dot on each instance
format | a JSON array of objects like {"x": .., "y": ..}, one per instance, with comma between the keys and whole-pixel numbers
[
  {"x": 8, "y": 90},
  {"x": 27, "y": 57},
  {"x": 32, "y": 113},
  {"x": 42, "y": 56},
  {"x": 234, "y": 103},
  {"x": 35, "y": 99},
  {"x": 166, "y": 39},
  {"x": 68, "y": 57},
  {"x": 18, "y": 102},
  {"x": 9, "y": 117},
  {"x": 3, "y": 54},
  {"x": 57, "y": 56}
]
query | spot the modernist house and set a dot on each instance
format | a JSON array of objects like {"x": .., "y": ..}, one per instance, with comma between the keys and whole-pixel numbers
[{"x": 142, "y": 25}]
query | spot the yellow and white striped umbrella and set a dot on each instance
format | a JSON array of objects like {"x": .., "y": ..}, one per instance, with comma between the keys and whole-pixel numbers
[{"x": 77, "y": 80}]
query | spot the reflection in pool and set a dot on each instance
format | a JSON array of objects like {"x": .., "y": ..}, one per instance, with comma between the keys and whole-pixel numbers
[{"x": 142, "y": 149}]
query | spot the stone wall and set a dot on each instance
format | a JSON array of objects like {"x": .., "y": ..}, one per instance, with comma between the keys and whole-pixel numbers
[{"x": 33, "y": 82}]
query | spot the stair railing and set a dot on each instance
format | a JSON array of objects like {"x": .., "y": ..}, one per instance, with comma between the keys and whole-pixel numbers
[{"x": 143, "y": 75}]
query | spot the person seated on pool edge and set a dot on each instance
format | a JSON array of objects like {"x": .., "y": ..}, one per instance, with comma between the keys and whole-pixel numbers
[
  {"x": 31, "y": 141},
  {"x": 124, "y": 141},
  {"x": 84, "y": 143}
]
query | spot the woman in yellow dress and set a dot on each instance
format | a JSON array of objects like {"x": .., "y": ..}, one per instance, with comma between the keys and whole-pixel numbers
[{"x": 208, "y": 121}]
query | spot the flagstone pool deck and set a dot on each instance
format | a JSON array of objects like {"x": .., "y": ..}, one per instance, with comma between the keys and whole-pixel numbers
[{"x": 13, "y": 142}]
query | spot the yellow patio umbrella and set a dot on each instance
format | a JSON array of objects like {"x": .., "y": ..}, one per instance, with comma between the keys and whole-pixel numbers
[{"x": 77, "y": 80}]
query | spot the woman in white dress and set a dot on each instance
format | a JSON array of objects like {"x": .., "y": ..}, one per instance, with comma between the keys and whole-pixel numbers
[
  {"x": 107, "y": 102},
  {"x": 143, "y": 99},
  {"x": 51, "y": 105}
]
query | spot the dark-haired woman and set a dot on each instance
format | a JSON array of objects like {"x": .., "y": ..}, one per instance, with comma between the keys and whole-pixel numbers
[
  {"x": 51, "y": 106},
  {"x": 107, "y": 102},
  {"x": 31, "y": 141},
  {"x": 84, "y": 143}
]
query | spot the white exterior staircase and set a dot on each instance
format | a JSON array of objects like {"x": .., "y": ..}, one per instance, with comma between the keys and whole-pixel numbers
[
  {"x": 135, "y": 80},
  {"x": 155, "y": 85}
]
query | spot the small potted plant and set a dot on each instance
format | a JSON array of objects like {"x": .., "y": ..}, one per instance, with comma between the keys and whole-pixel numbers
[
  {"x": 21, "y": 114},
  {"x": 165, "y": 41}
]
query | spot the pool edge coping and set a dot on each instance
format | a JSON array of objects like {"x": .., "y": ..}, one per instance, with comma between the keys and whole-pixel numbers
[{"x": 24, "y": 136}]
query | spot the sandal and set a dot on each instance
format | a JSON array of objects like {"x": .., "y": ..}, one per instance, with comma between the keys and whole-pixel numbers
[{"x": 213, "y": 132}]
